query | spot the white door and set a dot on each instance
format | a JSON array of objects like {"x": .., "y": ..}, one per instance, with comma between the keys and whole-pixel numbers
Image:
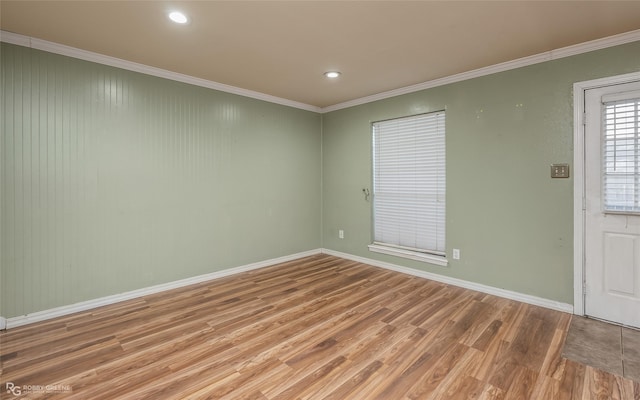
[{"x": 612, "y": 203}]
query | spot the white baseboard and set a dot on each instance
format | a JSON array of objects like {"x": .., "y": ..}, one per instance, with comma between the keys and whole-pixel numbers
[
  {"x": 508, "y": 294},
  {"x": 13, "y": 322},
  {"x": 8, "y": 323}
]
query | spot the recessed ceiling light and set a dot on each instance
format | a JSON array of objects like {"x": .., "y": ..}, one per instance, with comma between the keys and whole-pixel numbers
[
  {"x": 178, "y": 17},
  {"x": 332, "y": 74}
]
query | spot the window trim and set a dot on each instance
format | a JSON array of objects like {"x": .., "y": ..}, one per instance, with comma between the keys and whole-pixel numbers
[
  {"x": 409, "y": 254},
  {"x": 428, "y": 256}
]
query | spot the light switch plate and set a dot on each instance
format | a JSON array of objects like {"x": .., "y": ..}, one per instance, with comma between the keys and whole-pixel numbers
[{"x": 559, "y": 170}]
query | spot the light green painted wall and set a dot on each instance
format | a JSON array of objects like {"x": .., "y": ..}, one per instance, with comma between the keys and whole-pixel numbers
[
  {"x": 511, "y": 221},
  {"x": 114, "y": 181}
]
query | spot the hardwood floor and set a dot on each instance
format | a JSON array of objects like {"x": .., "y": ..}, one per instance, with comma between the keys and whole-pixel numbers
[{"x": 316, "y": 328}]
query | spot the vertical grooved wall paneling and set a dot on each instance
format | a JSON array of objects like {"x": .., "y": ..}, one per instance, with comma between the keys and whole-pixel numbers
[{"x": 114, "y": 181}]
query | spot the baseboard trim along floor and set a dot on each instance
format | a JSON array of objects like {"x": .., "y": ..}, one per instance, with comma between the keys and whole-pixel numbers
[
  {"x": 44, "y": 315},
  {"x": 508, "y": 294},
  {"x": 12, "y": 322}
]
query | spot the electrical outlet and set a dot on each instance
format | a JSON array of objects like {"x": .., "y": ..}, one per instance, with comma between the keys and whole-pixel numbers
[
  {"x": 341, "y": 234},
  {"x": 456, "y": 254}
]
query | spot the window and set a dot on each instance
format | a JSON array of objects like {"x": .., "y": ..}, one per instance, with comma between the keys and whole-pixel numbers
[
  {"x": 621, "y": 186},
  {"x": 409, "y": 187}
]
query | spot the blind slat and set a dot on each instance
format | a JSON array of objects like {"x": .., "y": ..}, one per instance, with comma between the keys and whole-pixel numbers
[
  {"x": 409, "y": 182},
  {"x": 621, "y": 154}
]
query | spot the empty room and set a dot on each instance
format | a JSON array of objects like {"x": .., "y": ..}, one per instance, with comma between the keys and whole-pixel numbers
[{"x": 320, "y": 200}]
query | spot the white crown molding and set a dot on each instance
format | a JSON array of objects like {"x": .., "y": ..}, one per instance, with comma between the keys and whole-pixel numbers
[
  {"x": 563, "y": 52},
  {"x": 14, "y": 38},
  {"x": 597, "y": 44},
  {"x": 38, "y": 316},
  {"x": 507, "y": 294},
  {"x": 568, "y": 51},
  {"x": 68, "y": 51}
]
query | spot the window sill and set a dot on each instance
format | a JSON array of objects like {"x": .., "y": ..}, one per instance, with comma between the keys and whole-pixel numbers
[{"x": 412, "y": 255}]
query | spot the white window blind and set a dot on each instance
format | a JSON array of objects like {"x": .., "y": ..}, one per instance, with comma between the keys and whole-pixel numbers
[
  {"x": 621, "y": 154},
  {"x": 409, "y": 183}
]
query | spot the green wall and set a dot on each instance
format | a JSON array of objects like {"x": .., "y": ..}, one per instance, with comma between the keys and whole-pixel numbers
[
  {"x": 511, "y": 221},
  {"x": 114, "y": 180}
]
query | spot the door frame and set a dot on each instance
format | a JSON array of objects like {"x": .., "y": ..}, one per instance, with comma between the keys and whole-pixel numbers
[{"x": 579, "y": 204}]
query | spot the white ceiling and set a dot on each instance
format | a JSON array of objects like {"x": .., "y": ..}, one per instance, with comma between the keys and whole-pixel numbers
[{"x": 282, "y": 48}]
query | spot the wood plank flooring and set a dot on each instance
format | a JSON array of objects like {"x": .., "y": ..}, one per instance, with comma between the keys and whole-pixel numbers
[{"x": 315, "y": 328}]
